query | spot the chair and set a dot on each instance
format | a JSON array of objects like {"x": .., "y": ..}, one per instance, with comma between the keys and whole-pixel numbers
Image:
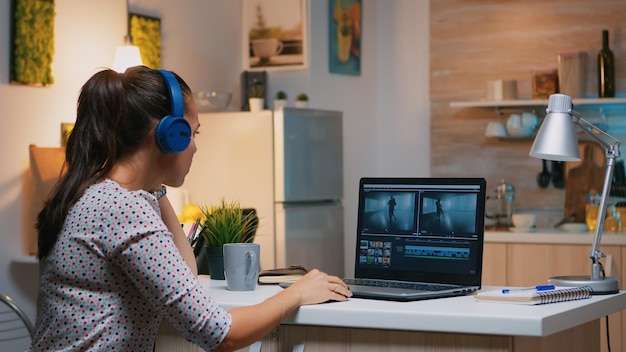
[{"x": 14, "y": 324}]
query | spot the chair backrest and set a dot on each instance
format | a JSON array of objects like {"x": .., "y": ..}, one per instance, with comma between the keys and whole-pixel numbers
[{"x": 15, "y": 327}]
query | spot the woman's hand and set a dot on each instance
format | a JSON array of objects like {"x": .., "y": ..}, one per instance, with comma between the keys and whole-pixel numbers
[
  {"x": 318, "y": 287},
  {"x": 251, "y": 323}
]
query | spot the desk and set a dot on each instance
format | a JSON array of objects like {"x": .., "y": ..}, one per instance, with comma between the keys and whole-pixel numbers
[
  {"x": 441, "y": 324},
  {"x": 506, "y": 262}
]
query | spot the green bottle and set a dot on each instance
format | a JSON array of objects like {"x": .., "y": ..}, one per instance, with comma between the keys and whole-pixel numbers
[{"x": 606, "y": 69}]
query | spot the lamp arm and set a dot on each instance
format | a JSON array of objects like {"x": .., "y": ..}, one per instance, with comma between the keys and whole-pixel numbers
[
  {"x": 606, "y": 141},
  {"x": 595, "y": 254},
  {"x": 611, "y": 146}
]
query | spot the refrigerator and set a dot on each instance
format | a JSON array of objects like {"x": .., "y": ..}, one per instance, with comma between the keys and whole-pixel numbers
[{"x": 288, "y": 165}]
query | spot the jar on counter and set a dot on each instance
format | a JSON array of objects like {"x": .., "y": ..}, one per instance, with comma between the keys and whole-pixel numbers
[{"x": 505, "y": 196}]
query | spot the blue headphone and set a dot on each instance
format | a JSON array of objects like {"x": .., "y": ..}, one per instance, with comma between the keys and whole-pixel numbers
[{"x": 173, "y": 133}]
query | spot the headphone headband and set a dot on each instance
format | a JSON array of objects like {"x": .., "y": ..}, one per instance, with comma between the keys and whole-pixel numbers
[
  {"x": 173, "y": 132},
  {"x": 176, "y": 95}
]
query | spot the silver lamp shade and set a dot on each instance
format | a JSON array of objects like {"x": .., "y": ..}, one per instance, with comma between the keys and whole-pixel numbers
[{"x": 556, "y": 139}]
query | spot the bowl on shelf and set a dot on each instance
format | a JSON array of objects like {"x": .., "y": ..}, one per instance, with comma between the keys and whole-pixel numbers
[
  {"x": 212, "y": 100},
  {"x": 575, "y": 227}
]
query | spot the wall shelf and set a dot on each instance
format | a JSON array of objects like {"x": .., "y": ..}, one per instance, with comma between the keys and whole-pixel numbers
[
  {"x": 533, "y": 102},
  {"x": 609, "y": 108},
  {"x": 26, "y": 259}
]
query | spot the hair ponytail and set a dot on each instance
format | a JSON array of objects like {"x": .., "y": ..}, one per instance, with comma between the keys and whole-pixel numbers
[{"x": 115, "y": 114}]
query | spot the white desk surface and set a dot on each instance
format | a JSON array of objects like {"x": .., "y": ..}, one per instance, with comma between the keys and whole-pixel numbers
[{"x": 454, "y": 315}]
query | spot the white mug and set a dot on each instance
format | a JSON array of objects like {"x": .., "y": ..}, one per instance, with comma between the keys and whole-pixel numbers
[
  {"x": 529, "y": 120},
  {"x": 241, "y": 265},
  {"x": 523, "y": 221},
  {"x": 495, "y": 129},
  {"x": 498, "y": 90},
  {"x": 266, "y": 48},
  {"x": 495, "y": 90}
]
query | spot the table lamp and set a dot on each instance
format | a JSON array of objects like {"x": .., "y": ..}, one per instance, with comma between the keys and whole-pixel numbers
[{"x": 557, "y": 140}]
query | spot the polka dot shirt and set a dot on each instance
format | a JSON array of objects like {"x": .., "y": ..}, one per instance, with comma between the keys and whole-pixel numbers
[{"x": 114, "y": 274}]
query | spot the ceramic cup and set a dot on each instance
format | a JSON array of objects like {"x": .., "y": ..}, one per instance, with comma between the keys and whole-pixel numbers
[
  {"x": 266, "y": 48},
  {"x": 495, "y": 90},
  {"x": 529, "y": 120},
  {"x": 516, "y": 128},
  {"x": 523, "y": 221},
  {"x": 495, "y": 129},
  {"x": 241, "y": 265},
  {"x": 498, "y": 90}
]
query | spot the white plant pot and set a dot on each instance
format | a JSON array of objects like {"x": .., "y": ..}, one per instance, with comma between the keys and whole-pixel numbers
[
  {"x": 301, "y": 104},
  {"x": 279, "y": 104},
  {"x": 256, "y": 104}
]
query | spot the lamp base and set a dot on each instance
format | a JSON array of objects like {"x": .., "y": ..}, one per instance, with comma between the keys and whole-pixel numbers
[{"x": 606, "y": 286}]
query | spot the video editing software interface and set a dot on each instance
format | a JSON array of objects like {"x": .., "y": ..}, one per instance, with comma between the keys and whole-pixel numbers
[{"x": 434, "y": 228}]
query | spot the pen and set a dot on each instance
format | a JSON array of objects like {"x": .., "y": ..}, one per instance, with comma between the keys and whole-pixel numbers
[
  {"x": 192, "y": 231},
  {"x": 538, "y": 288}
]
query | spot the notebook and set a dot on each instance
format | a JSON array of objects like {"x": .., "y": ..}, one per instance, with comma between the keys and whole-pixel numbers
[
  {"x": 531, "y": 296},
  {"x": 425, "y": 232}
]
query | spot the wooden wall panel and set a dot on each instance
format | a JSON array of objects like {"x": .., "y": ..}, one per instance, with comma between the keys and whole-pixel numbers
[{"x": 473, "y": 41}]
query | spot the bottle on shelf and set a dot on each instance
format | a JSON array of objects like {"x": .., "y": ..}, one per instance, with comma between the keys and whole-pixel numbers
[{"x": 606, "y": 69}]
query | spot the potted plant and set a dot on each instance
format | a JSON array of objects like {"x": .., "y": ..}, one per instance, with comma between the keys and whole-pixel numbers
[
  {"x": 302, "y": 101},
  {"x": 256, "y": 98},
  {"x": 225, "y": 223},
  {"x": 281, "y": 100}
]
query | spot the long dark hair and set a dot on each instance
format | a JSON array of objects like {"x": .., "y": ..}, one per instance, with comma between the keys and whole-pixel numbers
[{"x": 115, "y": 114}]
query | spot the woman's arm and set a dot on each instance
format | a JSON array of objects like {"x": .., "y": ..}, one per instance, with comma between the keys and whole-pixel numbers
[
  {"x": 252, "y": 323},
  {"x": 180, "y": 240}
]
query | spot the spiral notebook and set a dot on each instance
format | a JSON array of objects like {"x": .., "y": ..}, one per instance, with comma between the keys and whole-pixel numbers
[{"x": 534, "y": 297}]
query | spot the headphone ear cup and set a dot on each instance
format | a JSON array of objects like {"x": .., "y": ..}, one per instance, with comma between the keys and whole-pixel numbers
[{"x": 173, "y": 134}]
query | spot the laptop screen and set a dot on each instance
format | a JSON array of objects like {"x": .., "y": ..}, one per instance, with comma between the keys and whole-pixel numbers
[{"x": 421, "y": 229}]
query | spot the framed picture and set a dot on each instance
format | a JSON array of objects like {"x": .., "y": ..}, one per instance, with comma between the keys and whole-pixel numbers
[
  {"x": 32, "y": 42},
  {"x": 274, "y": 35},
  {"x": 344, "y": 37},
  {"x": 146, "y": 34}
]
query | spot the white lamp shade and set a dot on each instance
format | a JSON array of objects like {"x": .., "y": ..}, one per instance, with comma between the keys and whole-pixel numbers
[{"x": 126, "y": 56}]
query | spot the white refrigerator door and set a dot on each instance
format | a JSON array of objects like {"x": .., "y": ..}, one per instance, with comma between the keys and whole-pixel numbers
[
  {"x": 310, "y": 234},
  {"x": 308, "y": 155}
]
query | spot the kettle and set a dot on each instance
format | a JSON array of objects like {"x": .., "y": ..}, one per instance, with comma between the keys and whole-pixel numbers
[{"x": 504, "y": 196}]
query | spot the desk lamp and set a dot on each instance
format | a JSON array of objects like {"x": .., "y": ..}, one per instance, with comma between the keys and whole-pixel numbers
[{"x": 556, "y": 140}]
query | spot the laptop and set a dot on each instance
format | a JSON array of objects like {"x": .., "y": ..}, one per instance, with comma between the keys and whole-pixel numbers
[{"x": 419, "y": 238}]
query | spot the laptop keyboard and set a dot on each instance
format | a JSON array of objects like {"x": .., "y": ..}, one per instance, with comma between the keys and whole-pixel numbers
[{"x": 418, "y": 286}]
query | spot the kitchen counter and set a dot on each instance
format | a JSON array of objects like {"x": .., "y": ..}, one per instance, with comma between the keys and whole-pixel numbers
[{"x": 553, "y": 236}]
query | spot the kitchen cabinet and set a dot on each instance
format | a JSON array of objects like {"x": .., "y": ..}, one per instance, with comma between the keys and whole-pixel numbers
[
  {"x": 319, "y": 338},
  {"x": 519, "y": 259}
]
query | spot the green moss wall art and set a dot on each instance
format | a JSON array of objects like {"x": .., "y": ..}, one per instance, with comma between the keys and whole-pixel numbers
[
  {"x": 146, "y": 34},
  {"x": 32, "y": 42}
]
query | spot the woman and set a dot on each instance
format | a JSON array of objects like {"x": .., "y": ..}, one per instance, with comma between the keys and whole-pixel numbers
[{"x": 114, "y": 259}]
